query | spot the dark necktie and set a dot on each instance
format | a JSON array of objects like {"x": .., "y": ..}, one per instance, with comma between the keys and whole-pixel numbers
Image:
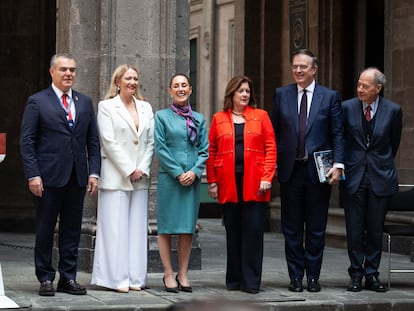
[
  {"x": 368, "y": 113},
  {"x": 302, "y": 125}
]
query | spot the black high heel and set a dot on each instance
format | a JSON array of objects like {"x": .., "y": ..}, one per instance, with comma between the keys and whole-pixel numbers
[
  {"x": 170, "y": 289},
  {"x": 187, "y": 289}
]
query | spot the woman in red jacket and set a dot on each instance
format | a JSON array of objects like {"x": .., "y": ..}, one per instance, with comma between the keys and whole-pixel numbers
[{"x": 240, "y": 169}]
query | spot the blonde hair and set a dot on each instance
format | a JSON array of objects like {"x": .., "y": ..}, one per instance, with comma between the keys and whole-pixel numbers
[{"x": 116, "y": 76}]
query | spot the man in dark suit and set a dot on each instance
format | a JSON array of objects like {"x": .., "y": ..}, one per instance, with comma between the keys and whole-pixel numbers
[
  {"x": 61, "y": 156},
  {"x": 304, "y": 200},
  {"x": 373, "y": 128}
]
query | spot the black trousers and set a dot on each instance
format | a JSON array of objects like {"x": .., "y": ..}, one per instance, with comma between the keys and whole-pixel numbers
[
  {"x": 364, "y": 216},
  {"x": 67, "y": 203},
  {"x": 304, "y": 216},
  {"x": 244, "y": 223}
]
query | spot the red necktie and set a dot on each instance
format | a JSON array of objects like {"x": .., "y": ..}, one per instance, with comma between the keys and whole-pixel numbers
[
  {"x": 302, "y": 125},
  {"x": 368, "y": 113},
  {"x": 65, "y": 103}
]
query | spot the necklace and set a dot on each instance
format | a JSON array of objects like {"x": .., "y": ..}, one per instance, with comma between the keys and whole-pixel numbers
[{"x": 237, "y": 113}]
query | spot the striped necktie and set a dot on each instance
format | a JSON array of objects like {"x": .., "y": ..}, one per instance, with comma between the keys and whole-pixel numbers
[{"x": 69, "y": 112}]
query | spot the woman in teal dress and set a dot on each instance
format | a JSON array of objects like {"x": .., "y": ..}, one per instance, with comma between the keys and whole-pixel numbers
[{"x": 181, "y": 146}]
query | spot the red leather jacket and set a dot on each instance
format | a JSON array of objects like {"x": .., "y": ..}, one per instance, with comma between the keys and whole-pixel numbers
[{"x": 259, "y": 155}]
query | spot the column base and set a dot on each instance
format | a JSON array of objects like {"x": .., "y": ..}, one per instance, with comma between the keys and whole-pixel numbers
[{"x": 154, "y": 260}]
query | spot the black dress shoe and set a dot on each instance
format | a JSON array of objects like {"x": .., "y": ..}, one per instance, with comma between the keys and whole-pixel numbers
[
  {"x": 296, "y": 285},
  {"x": 355, "y": 284},
  {"x": 46, "y": 289},
  {"x": 251, "y": 290},
  {"x": 70, "y": 287},
  {"x": 374, "y": 284},
  {"x": 313, "y": 286}
]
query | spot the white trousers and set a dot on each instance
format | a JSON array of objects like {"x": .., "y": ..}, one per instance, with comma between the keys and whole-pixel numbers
[{"x": 120, "y": 259}]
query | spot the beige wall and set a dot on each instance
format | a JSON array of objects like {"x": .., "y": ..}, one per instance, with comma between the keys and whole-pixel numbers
[
  {"x": 211, "y": 23},
  {"x": 225, "y": 50}
]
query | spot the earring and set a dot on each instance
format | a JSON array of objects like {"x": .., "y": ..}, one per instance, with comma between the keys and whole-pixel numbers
[{"x": 118, "y": 89}]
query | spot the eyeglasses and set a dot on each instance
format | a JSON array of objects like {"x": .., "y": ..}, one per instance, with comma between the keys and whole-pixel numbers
[{"x": 301, "y": 67}]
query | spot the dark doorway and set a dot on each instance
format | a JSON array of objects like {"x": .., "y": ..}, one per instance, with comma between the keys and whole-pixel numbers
[
  {"x": 27, "y": 40},
  {"x": 363, "y": 46},
  {"x": 374, "y": 55}
]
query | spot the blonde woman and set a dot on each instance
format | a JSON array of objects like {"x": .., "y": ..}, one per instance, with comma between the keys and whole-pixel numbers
[{"x": 126, "y": 126}]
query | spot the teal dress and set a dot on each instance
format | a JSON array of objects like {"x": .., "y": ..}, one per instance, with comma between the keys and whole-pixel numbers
[{"x": 177, "y": 205}]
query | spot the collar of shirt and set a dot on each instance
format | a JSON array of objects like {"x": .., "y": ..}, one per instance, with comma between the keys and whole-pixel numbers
[
  {"x": 374, "y": 106},
  {"x": 309, "y": 89},
  {"x": 59, "y": 92},
  {"x": 309, "y": 93}
]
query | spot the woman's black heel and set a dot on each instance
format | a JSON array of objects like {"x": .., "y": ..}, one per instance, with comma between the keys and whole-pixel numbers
[
  {"x": 187, "y": 289},
  {"x": 169, "y": 289}
]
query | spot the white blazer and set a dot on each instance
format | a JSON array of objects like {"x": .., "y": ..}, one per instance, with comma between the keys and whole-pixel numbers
[{"x": 123, "y": 147}]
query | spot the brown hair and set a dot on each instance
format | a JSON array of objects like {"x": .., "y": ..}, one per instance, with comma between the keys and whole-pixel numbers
[{"x": 233, "y": 85}]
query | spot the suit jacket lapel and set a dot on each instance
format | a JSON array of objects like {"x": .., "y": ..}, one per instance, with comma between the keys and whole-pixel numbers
[
  {"x": 123, "y": 112},
  {"x": 78, "y": 108},
  {"x": 315, "y": 106},
  {"x": 141, "y": 117},
  {"x": 292, "y": 101},
  {"x": 57, "y": 106},
  {"x": 357, "y": 114},
  {"x": 379, "y": 119}
]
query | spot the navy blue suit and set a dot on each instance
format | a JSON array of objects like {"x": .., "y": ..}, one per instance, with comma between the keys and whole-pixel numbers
[
  {"x": 64, "y": 158},
  {"x": 304, "y": 200},
  {"x": 371, "y": 178}
]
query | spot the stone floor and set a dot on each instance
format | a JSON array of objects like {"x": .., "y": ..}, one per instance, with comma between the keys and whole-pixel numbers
[{"x": 16, "y": 257}]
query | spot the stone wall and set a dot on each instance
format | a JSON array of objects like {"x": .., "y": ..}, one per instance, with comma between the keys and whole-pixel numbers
[{"x": 399, "y": 67}]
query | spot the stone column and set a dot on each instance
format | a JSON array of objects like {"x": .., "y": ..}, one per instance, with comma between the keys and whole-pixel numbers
[
  {"x": 152, "y": 35},
  {"x": 398, "y": 67}
]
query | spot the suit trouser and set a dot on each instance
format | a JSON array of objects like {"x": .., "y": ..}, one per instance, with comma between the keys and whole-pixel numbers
[
  {"x": 304, "y": 206},
  {"x": 244, "y": 223},
  {"x": 364, "y": 216},
  {"x": 67, "y": 203},
  {"x": 120, "y": 258}
]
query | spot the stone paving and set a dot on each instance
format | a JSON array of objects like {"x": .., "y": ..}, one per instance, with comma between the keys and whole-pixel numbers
[{"x": 16, "y": 257}]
